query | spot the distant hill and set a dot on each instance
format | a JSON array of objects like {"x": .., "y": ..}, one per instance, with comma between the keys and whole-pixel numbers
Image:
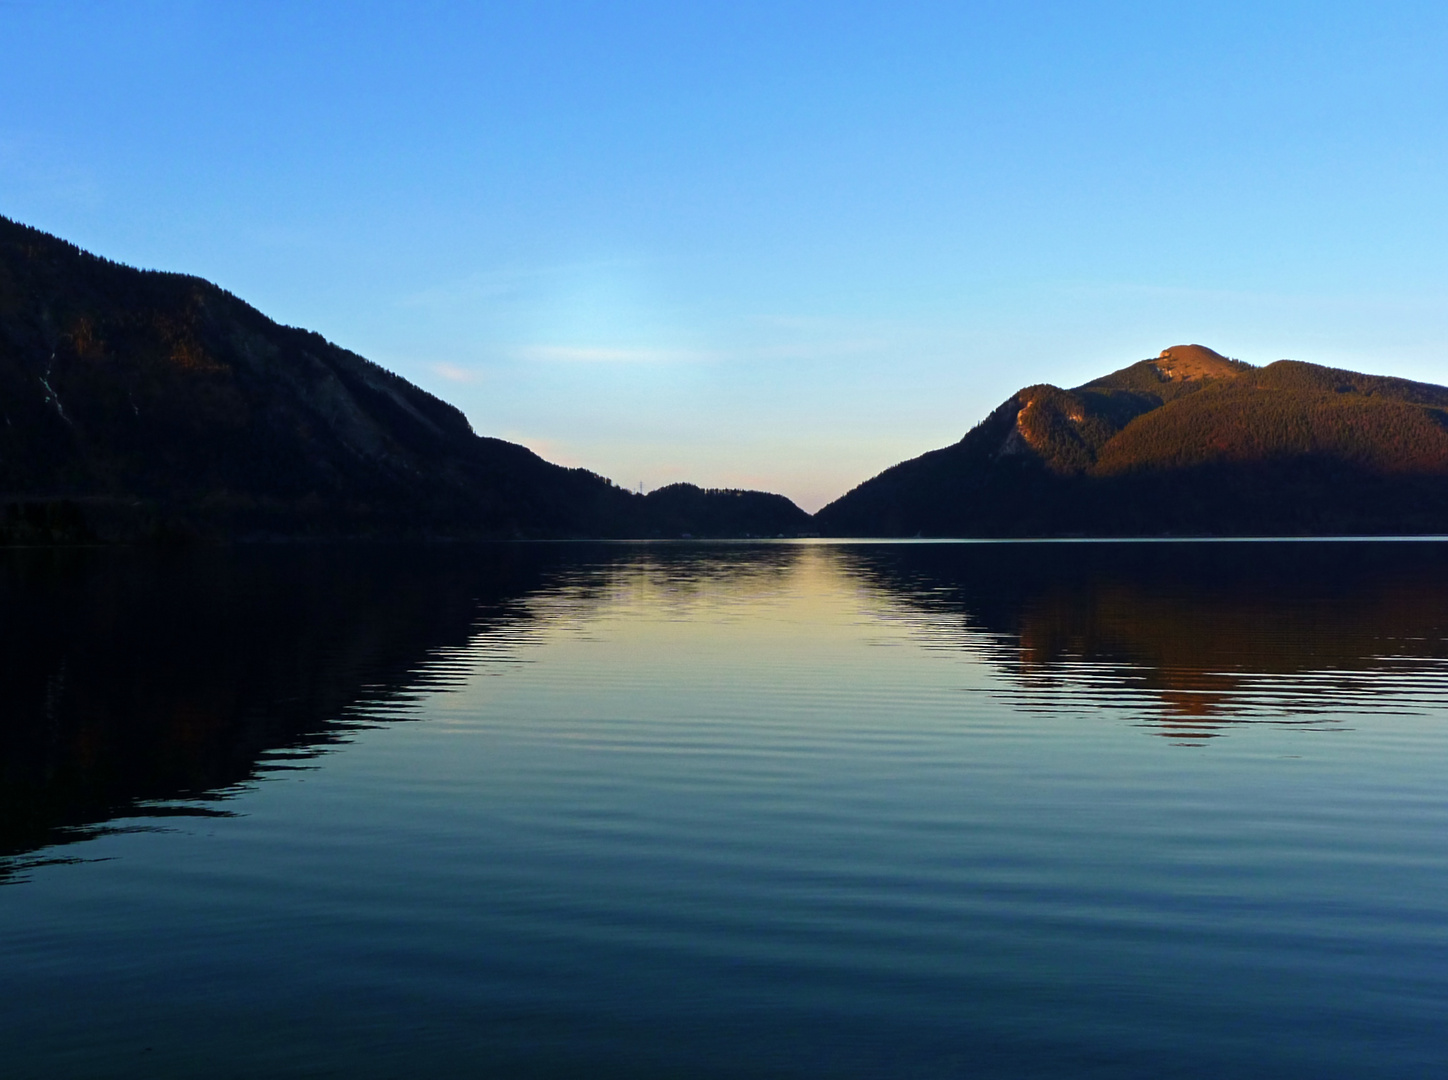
[
  {"x": 1187, "y": 443},
  {"x": 143, "y": 403}
]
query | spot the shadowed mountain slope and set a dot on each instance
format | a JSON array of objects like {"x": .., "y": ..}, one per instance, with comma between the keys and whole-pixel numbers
[
  {"x": 1188, "y": 442},
  {"x": 136, "y": 401}
]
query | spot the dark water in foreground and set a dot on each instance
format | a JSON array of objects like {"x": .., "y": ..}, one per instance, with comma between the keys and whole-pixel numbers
[{"x": 978, "y": 810}]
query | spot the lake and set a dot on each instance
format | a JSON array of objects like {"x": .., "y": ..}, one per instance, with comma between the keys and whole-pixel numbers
[{"x": 1173, "y": 809}]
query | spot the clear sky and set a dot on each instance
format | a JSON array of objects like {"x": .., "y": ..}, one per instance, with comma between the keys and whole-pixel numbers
[{"x": 777, "y": 245}]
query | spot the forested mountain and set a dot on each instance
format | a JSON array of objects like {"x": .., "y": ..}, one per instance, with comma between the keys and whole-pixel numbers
[
  {"x": 1187, "y": 443},
  {"x": 140, "y": 403}
]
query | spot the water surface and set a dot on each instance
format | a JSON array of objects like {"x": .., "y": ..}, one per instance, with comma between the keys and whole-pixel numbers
[{"x": 909, "y": 810}]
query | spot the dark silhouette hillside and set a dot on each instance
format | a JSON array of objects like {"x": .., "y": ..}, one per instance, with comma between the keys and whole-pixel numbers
[
  {"x": 1187, "y": 443},
  {"x": 136, "y": 402},
  {"x": 684, "y": 509}
]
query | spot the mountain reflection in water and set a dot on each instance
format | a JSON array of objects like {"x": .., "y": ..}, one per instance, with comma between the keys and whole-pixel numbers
[
  {"x": 151, "y": 684},
  {"x": 662, "y": 810},
  {"x": 134, "y": 680},
  {"x": 1196, "y": 636}
]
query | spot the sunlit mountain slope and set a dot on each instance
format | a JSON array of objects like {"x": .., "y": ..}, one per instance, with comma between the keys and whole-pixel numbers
[{"x": 1188, "y": 442}]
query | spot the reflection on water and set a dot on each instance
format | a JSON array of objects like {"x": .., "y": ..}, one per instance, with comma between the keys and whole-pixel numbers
[
  {"x": 132, "y": 681},
  {"x": 151, "y": 685},
  {"x": 1196, "y": 637},
  {"x": 794, "y": 810},
  {"x": 145, "y": 685}
]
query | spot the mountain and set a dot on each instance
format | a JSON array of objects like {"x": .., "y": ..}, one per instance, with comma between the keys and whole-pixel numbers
[
  {"x": 139, "y": 403},
  {"x": 1189, "y": 442}
]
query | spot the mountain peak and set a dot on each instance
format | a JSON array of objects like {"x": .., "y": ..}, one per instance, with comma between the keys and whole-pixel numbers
[{"x": 1183, "y": 363}]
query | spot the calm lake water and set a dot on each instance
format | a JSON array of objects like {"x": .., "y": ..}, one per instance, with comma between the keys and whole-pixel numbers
[{"x": 774, "y": 810}]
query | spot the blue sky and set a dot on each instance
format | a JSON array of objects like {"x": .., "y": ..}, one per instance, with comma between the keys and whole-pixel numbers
[{"x": 770, "y": 245}]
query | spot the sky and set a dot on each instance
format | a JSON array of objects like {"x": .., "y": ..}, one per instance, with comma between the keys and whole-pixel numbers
[{"x": 775, "y": 245}]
